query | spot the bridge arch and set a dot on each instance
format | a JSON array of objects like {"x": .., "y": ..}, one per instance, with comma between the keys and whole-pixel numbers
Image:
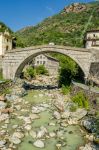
[{"x": 15, "y": 60}]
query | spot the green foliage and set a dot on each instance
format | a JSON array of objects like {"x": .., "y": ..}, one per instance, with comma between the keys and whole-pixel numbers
[
  {"x": 68, "y": 69},
  {"x": 41, "y": 70},
  {"x": 81, "y": 100},
  {"x": 30, "y": 72},
  {"x": 62, "y": 29},
  {"x": 65, "y": 89}
]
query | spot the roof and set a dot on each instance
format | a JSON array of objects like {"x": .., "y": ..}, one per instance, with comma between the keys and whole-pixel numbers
[
  {"x": 89, "y": 31},
  {"x": 50, "y": 57},
  {"x": 92, "y": 39}
]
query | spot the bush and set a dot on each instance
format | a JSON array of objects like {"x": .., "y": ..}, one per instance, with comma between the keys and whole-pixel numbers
[
  {"x": 30, "y": 72},
  {"x": 81, "y": 100},
  {"x": 65, "y": 89},
  {"x": 41, "y": 70}
]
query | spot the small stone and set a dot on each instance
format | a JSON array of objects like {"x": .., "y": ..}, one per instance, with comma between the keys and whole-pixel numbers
[
  {"x": 33, "y": 134},
  {"x": 28, "y": 127},
  {"x": 39, "y": 144},
  {"x": 52, "y": 134},
  {"x": 58, "y": 146},
  {"x": 18, "y": 135},
  {"x": 2, "y": 143},
  {"x": 51, "y": 124},
  {"x": 34, "y": 116},
  {"x": 15, "y": 140},
  {"x": 57, "y": 115},
  {"x": 2, "y": 105}
]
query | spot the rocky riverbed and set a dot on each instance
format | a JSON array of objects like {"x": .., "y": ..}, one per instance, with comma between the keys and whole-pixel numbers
[{"x": 42, "y": 119}]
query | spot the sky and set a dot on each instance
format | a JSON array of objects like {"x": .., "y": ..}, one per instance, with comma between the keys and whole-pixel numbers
[{"x": 18, "y": 14}]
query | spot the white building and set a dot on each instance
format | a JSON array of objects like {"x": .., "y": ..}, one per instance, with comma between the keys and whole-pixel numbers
[
  {"x": 51, "y": 64},
  {"x": 92, "y": 39},
  {"x": 5, "y": 42}
]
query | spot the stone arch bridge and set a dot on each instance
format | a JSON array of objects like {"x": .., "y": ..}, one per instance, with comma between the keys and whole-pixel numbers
[{"x": 15, "y": 60}]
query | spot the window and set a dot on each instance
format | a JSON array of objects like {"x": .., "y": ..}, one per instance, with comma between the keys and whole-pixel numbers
[
  {"x": 37, "y": 62},
  {"x": 43, "y": 62},
  {"x": 41, "y": 56},
  {"x": 94, "y": 35},
  {"x": 7, "y": 48},
  {"x": 40, "y": 62}
]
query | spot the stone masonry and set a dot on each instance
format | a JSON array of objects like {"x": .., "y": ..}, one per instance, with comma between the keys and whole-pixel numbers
[{"x": 15, "y": 60}]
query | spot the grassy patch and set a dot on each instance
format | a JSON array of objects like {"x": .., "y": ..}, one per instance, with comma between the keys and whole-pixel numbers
[{"x": 81, "y": 100}]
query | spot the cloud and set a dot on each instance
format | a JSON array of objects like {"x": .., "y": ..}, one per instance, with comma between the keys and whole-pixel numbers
[{"x": 51, "y": 10}]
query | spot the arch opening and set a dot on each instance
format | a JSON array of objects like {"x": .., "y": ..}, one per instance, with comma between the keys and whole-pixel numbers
[{"x": 30, "y": 58}]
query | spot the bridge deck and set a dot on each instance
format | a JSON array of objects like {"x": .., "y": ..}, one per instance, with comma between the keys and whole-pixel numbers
[{"x": 50, "y": 46}]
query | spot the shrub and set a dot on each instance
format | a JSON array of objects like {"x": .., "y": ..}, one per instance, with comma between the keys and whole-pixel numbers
[
  {"x": 41, "y": 70},
  {"x": 65, "y": 89},
  {"x": 30, "y": 72},
  {"x": 81, "y": 100}
]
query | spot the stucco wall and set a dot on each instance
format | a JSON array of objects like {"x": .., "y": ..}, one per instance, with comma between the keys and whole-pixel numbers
[{"x": 92, "y": 40}]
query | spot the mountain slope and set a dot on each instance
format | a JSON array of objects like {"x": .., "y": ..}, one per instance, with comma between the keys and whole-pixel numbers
[{"x": 66, "y": 28}]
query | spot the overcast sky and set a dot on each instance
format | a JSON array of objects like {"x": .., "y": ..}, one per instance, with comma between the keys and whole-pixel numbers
[{"x": 21, "y": 13}]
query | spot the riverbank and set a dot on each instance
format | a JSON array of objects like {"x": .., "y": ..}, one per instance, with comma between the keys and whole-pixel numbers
[{"x": 43, "y": 119}]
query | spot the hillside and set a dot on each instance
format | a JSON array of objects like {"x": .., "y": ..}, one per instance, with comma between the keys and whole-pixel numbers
[
  {"x": 66, "y": 28},
  {"x": 3, "y": 27}
]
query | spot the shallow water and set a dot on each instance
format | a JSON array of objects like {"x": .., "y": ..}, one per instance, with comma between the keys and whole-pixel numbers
[
  {"x": 71, "y": 139},
  {"x": 72, "y": 135}
]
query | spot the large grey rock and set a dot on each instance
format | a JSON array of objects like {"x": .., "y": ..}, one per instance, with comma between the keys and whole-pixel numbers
[{"x": 39, "y": 144}]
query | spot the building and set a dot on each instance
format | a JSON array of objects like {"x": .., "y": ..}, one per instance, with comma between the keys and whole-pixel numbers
[
  {"x": 5, "y": 42},
  {"x": 49, "y": 62},
  {"x": 92, "y": 39}
]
